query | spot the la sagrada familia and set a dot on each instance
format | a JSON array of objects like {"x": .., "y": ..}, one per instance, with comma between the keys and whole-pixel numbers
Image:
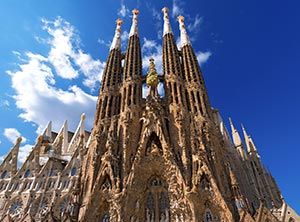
[{"x": 155, "y": 159}]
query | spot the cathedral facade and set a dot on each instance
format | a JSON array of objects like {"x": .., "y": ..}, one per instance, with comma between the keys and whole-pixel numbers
[{"x": 162, "y": 158}]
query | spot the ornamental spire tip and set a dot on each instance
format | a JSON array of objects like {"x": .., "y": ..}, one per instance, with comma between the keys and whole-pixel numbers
[
  {"x": 116, "y": 43},
  {"x": 183, "y": 33},
  {"x": 134, "y": 26},
  {"x": 167, "y": 25}
]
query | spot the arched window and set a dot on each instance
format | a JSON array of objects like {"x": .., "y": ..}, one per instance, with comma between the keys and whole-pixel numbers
[
  {"x": 208, "y": 217},
  {"x": 105, "y": 218},
  {"x": 27, "y": 173},
  {"x": 106, "y": 185},
  {"x": 204, "y": 182},
  {"x": 157, "y": 202},
  {"x": 16, "y": 208},
  {"x": 153, "y": 145},
  {"x": 4, "y": 174},
  {"x": 73, "y": 171}
]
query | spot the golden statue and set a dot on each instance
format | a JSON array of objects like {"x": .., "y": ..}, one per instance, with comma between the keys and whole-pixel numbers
[{"x": 152, "y": 78}]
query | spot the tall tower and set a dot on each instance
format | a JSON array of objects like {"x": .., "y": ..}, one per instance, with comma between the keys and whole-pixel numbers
[
  {"x": 196, "y": 94},
  {"x": 100, "y": 161},
  {"x": 131, "y": 91}
]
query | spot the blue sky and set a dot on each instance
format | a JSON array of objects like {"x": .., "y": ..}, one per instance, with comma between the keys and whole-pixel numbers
[{"x": 249, "y": 52}]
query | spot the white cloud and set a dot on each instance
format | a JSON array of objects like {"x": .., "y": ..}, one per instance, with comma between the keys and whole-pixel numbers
[
  {"x": 151, "y": 49},
  {"x": 91, "y": 68},
  {"x": 123, "y": 11},
  {"x": 124, "y": 37},
  {"x": 24, "y": 152},
  {"x": 148, "y": 44},
  {"x": 67, "y": 58},
  {"x": 157, "y": 17},
  {"x": 105, "y": 43},
  {"x": 36, "y": 92},
  {"x": 203, "y": 57},
  {"x": 12, "y": 134}
]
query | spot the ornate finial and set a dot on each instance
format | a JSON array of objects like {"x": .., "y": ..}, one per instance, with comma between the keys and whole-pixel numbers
[
  {"x": 180, "y": 18},
  {"x": 134, "y": 27},
  {"x": 183, "y": 34},
  {"x": 83, "y": 116},
  {"x": 19, "y": 140},
  {"x": 116, "y": 43},
  {"x": 165, "y": 10},
  {"x": 135, "y": 11},
  {"x": 40, "y": 139},
  {"x": 81, "y": 126},
  {"x": 119, "y": 22},
  {"x": 167, "y": 25},
  {"x": 152, "y": 78}
]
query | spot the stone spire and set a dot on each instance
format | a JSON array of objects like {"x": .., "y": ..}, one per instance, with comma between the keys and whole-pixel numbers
[
  {"x": 167, "y": 25},
  {"x": 116, "y": 43},
  {"x": 108, "y": 101},
  {"x": 183, "y": 33},
  {"x": 235, "y": 135},
  {"x": 48, "y": 131},
  {"x": 249, "y": 143},
  {"x": 237, "y": 140},
  {"x": 171, "y": 64},
  {"x": 131, "y": 91},
  {"x": 134, "y": 26},
  {"x": 195, "y": 91},
  {"x": 8, "y": 168},
  {"x": 65, "y": 137}
]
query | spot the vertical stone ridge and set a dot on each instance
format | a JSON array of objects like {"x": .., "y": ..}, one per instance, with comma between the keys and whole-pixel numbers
[
  {"x": 167, "y": 25},
  {"x": 116, "y": 43},
  {"x": 109, "y": 98},
  {"x": 195, "y": 90}
]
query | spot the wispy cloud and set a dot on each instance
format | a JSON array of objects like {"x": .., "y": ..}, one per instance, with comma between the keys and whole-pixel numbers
[
  {"x": 194, "y": 26},
  {"x": 157, "y": 17},
  {"x": 177, "y": 8},
  {"x": 12, "y": 134},
  {"x": 123, "y": 11},
  {"x": 202, "y": 57},
  {"x": 4, "y": 103}
]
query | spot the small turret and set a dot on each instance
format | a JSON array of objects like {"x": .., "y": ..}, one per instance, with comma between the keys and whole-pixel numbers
[
  {"x": 237, "y": 140},
  {"x": 249, "y": 143}
]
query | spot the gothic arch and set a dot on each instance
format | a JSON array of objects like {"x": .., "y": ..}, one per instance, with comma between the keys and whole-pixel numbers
[
  {"x": 106, "y": 183},
  {"x": 153, "y": 145},
  {"x": 15, "y": 208},
  {"x": 157, "y": 204}
]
